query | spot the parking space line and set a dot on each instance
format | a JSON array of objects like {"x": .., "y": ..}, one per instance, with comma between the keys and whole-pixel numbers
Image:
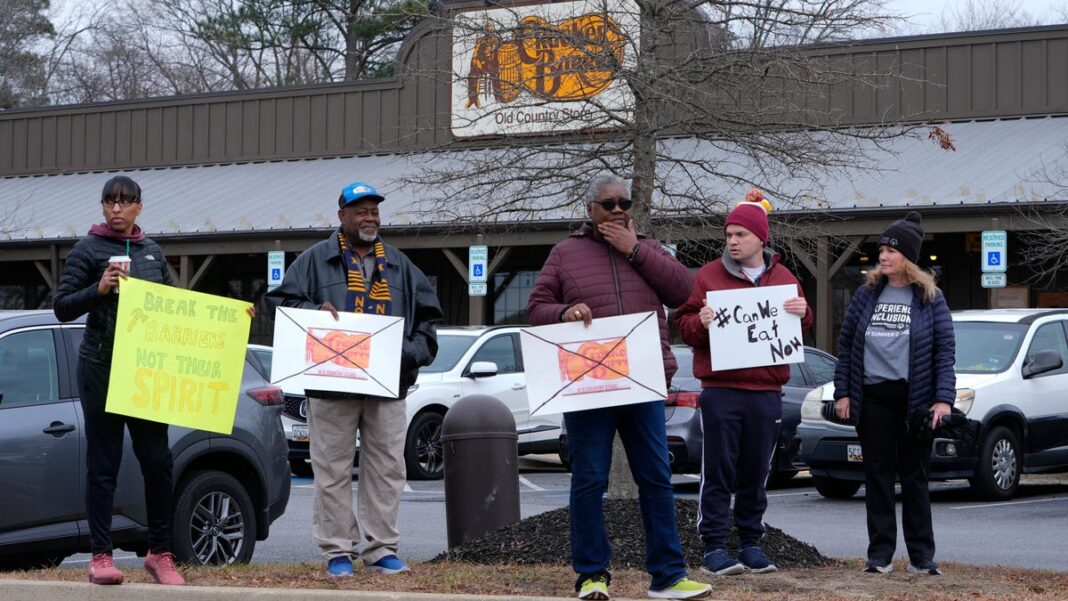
[
  {"x": 408, "y": 487},
  {"x": 790, "y": 494},
  {"x": 985, "y": 505},
  {"x": 116, "y": 556},
  {"x": 529, "y": 484}
]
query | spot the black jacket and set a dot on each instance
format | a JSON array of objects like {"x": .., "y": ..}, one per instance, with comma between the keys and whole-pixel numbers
[
  {"x": 318, "y": 276},
  {"x": 77, "y": 295}
]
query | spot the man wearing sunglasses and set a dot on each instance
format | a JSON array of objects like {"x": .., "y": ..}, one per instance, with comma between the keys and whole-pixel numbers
[{"x": 604, "y": 269}]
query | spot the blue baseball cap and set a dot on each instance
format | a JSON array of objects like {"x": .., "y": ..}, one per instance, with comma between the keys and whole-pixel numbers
[{"x": 358, "y": 191}]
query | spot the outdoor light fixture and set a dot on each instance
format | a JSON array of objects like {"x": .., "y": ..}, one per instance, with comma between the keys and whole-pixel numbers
[{"x": 934, "y": 257}]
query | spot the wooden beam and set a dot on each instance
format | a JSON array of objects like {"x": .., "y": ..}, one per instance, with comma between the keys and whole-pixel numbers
[
  {"x": 46, "y": 274},
  {"x": 802, "y": 255},
  {"x": 184, "y": 267},
  {"x": 499, "y": 259},
  {"x": 203, "y": 269},
  {"x": 854, "y": 242},
  {"x": 457, "y": 264}
]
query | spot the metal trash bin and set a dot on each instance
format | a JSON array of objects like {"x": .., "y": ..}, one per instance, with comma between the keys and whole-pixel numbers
[{"x": 481, "y": 468}]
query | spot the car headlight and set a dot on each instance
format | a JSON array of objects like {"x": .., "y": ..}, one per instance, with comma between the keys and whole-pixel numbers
[
  {"x": 812, "y": 405},
  {"x": 965, "y": 398}
]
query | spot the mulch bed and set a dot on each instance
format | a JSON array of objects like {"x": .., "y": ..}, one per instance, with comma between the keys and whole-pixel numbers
[{"x": 545, "y": 539}]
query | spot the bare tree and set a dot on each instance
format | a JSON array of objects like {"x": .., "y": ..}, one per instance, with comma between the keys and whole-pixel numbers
[
  {"x": 1043, "y": 212},
  {"x": 978, "y": 15},
  {"x": 709, "y": 99}
]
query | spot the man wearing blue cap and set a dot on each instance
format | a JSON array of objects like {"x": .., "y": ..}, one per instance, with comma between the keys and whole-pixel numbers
[{"x": 354, "y": 271}]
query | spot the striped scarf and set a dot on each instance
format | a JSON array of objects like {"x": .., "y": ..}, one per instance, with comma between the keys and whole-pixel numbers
[{"x": 357, "y": 299}]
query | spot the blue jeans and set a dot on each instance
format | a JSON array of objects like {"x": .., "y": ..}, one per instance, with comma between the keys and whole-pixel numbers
[{"x": 589, "y": 442}]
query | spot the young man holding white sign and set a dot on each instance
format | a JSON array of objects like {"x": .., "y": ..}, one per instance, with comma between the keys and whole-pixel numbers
[
  {"x": 741, "y": 409},
  {"x": 606, "y": 269}
]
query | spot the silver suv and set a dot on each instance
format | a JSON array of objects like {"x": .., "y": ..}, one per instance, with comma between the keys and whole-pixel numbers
[
  {"x": 470, "y": 360},
  {"x": 228, "y": 489}
]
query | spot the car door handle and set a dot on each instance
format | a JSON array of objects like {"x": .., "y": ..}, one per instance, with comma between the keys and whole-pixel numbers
[
  {"x": 519, "y": 386},
  {"x": 58, "y": 429}
]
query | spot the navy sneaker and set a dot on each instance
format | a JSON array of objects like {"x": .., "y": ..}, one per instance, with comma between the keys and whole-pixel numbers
[
  {"x": 925, "y": 567},
  {"x": 754, "y": 559},
  {"x": 717, "y": 562},
  {"x": 390, "y": 564},
  {"x": 874, "y": 566},
  {"x": 339, "y": 566}
]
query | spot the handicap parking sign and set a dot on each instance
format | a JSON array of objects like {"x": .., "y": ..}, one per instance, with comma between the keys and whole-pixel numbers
[{"x": 993, "y": 258}]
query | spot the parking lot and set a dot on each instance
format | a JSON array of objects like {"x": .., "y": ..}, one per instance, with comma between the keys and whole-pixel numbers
[{"x": 1026, "y": 532}]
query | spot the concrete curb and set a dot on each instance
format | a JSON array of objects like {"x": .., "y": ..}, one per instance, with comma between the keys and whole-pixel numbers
[{"x": 38, "y": 590}]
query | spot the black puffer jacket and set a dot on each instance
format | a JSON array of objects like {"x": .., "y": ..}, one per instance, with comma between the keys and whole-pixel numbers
[{"x": 77, "y": 294}]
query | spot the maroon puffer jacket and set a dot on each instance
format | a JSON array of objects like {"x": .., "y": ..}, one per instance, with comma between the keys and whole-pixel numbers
[{"x": 586, "y": 269}]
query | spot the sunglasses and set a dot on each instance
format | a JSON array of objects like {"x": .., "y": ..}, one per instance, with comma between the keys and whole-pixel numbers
[{"x": 610, "y": 204}]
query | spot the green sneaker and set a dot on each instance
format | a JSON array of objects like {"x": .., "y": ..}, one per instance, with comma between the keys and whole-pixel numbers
[
  {"x": 683, "y": 589},
  {"x": 594, "y": 587}
]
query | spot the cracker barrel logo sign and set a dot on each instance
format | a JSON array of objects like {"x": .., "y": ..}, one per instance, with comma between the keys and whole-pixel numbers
[
  {"x": 517, "y": 72},
  {"x": 594, "y": 365},
  {"x": 337, "y": 353}
]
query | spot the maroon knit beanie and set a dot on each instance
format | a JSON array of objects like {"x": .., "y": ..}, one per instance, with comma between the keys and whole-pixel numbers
[{"x": 752, "y": 214}]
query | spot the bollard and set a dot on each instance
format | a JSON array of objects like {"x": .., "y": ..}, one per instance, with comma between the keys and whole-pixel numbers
[{"x": 481, "y": 468}]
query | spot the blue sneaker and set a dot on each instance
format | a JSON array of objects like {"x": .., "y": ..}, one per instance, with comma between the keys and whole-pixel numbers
[
  {"x": 718, "y": 563},
  {"x": 754, "y": 559},
  {"x": 390, "y": 564},
  {"x": 339, "y": 566},
  {"x": 925, "y": 567}
]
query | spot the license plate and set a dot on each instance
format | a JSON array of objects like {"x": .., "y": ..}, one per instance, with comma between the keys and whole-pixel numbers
[
  {"x": 300, "y": 432},
  {"x": 854, "y": 453}
]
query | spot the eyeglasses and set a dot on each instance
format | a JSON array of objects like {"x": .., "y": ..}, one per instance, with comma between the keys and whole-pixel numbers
[
  {"x": 609, "y": 204},
  {"x": 122, "y": 201}
]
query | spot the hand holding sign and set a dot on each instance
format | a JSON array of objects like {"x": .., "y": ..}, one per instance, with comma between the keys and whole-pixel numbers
[{"x": 754, "y": 327}]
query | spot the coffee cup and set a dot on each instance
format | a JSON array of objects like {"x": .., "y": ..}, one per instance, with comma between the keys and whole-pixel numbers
[{"x": 123, "y": 262}]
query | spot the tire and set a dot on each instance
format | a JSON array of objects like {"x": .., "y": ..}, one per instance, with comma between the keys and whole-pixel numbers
[
  {"x": 835, "y": 489},
  {"x": 424, "y": 455},
  {"x": 300, "y": 468},
  {"x": 214, "y": 520},
  {"x": 779, "y": 477},
  {"x": 997, "y": 473}
]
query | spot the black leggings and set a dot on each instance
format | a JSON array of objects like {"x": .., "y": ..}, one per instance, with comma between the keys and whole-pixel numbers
[
  {"x": 890, "y": 455},
  {"x": 104, "y": 438}
]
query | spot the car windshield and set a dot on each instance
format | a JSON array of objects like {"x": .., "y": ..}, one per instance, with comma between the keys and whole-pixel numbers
[
  {"x": 985, "y": 347},
  {"x": 450, "y": 349}
]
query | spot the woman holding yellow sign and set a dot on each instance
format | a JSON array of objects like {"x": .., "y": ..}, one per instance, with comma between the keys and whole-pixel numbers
[{"x": 90, "y": 284}]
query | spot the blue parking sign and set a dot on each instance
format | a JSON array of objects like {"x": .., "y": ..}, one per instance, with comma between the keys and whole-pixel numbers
[
  {"x": 276, "y": 274},
  {"x": 993, "y": 258}
]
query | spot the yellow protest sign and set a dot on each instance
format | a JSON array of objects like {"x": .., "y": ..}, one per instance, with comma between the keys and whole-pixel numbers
[{"x": 179, "y": 356}]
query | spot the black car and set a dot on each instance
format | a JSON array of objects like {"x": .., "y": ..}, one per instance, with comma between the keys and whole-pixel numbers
[{"x": 683, "y": 420}]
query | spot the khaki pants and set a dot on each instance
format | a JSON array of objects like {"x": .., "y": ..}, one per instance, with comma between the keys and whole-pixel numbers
[{"x": 332, "y": 426}]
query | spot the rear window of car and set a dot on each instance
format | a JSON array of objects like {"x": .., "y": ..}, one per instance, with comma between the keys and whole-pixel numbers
[
  {"x": 986, "y": 347},
  {"x": 450, "y": 349}
]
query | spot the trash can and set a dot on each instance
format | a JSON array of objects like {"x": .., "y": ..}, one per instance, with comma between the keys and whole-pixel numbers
[{"x": 481, "y": 468}]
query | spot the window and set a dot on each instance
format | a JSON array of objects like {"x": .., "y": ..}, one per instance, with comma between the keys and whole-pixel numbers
[
  {"x": 500, "y": 350},
  {"x": 797, "y": 377},
  {"x": 1049, "y": 337},
  {"x": 450, "y": 349},
  {"x": 821, "y": 367},
  {"x": 28, "y": 368}
]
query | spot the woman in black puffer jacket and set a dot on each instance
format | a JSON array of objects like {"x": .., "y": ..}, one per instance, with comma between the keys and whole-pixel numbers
[
  {"x": 895, "y": 362},
  {"x": 89, "y": 285}
]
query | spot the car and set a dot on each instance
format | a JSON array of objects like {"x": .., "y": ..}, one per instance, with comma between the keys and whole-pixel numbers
[
  {"x": 228, "y": 489},
  {"x": 470, "y": 360},
  {"x": 1012, "y": 384},
  {"x": 683, "y": 419}
]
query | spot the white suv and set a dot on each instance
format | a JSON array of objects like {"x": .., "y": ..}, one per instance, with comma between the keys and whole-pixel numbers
[
  {"x": 1012, "y": 383},
  {"x": 470, "y": 360}
]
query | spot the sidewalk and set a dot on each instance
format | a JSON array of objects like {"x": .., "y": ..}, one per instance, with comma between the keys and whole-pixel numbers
[{"x": 35, "y": 590}]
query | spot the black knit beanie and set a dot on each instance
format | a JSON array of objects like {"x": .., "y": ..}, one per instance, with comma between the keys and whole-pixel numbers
[{"x": 905, "y": 236}]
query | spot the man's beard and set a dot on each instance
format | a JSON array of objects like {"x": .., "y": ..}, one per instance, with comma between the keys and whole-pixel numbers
[{"x": 368, "y": 238}]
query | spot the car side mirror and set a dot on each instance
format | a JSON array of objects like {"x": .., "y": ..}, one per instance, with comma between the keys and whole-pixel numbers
[
  {"x": 1044, "y": 362},
  {"x": 482, "y": 369}
]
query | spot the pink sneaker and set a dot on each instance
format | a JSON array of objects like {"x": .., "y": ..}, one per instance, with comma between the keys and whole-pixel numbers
[
  {"x": 161, "y": 567},
  {"x": 102, "y": 570}
]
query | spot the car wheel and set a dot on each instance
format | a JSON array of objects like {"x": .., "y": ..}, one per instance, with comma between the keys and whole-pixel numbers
[
  {"x": 997, "y": 475},
  {"x": 214, "y": 520},
  {"x": 835, "y": 489},
  {"x": 779, "y": 477},
  {"x": 300, "y": 468},
  {"x": 424, "y": 455}
]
